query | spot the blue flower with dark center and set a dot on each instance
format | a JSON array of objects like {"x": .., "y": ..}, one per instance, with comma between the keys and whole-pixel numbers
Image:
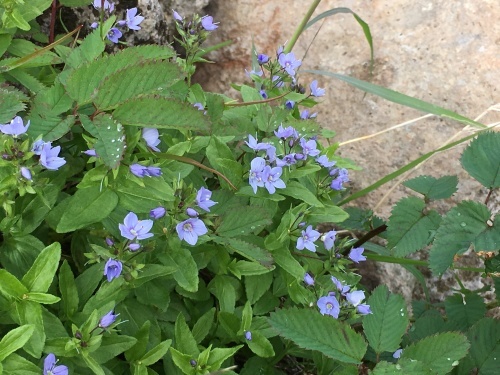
[
  {"x": 189, "y": 230},
  {"x": 133, "y": 228},
  {"x": 328, "y": 305}
]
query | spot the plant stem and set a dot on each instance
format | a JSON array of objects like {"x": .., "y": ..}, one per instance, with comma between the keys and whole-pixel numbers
[{"x": 301, "y": 26}]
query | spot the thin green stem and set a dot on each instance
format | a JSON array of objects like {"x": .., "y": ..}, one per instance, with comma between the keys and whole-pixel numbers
[{"x": 301, "y": 26}]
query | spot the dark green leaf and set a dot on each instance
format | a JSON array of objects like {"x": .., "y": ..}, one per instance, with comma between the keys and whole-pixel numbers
[
  {"x": 221, "y": 286},
  {"x": 203, "y": 325},
  {"x": 402, "y": 367},
  {"x": 11, "y": 102},
  {"x": 260, "y": 345},
  {"x": 235, "y": 224},
  {"x": 484, "y": 337},
  {"x": 481, "y": 159},
  {"x": 311, "y": 330},
  {"x": 433, "y": 188},
  {"x": 17, "y": 254},
  {"x": 184, "y": 339},
  {"x": 111, "y": 346},
  {"x": 249, "y": 247},
  {"x": 187, "y": 270},
  {"x": 410, "y": 228},
  {"x": 155, "y": 354},
  {"x": 464, "y": 311},
  {"x": 42, "y": 272},
  {"x": 69, "y": 291},
  {"x": 16, "y": 365},
  {"x": 296, "y": 190},
  {"x": 256, "y": 286}
]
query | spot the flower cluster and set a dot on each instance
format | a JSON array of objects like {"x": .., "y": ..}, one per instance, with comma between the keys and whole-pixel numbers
[
  {"x": 131, "y": 22},
  {"x": 331, "y": 305}
]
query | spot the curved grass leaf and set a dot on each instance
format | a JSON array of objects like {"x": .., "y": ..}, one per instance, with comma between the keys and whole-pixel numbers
[
  {"x": 387, "y": 325},
  {"x": 433, "y": 188},
  {"x": 466, "y": 224},
  {"x": 162, "y": 113},
  {"x": 399, "y": 98},
  {"x": 363, "y": 24},
  {"x": 409, "y": 229},
  {"x": 134, "y": 80},
  {"x": 481, "y": 159},
  {"x": 439, "y": 352},
  {"x": 310, "y": 330}
]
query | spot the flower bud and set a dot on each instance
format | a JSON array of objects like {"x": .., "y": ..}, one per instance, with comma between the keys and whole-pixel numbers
[
  {"x": 191, "y": 212},
  {"x": 134, "y": 246},
  {"x": 248, "y": 335},
  {"x": 109, "y": 241},
  {"x": 157, "y": 213},
  {"x": 26, "y": 173}
]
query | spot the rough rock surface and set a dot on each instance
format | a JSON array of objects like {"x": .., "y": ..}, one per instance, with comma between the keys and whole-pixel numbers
[{"x": 444, "y": 52}]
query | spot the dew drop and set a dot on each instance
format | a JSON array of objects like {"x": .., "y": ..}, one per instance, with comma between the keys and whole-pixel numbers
[
  {"x": 458, "y": 213},
  {"x": 449, "y": 359},
  {"x": 462, "y": 224},
  {"x": 109, "y": 127},
  {"x": 252, "y": 227},
  {"x": 455, "y": 363},
  {"x": 113, "y": 140},
  {"x": 117, "y": 149}
]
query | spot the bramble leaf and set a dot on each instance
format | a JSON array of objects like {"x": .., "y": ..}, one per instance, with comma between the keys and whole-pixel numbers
[
  {"x": 464, "y": 311},
  {"x": 481, "y": 159},
  {"x": 311, "y": 330},
  {"x": 433, "y": 188}
]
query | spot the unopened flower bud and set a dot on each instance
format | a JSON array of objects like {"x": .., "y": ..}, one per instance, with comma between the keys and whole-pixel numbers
[
  {"x": 191, "y": 212},
  {"x": 248, "y": 335},
  {"x": 299, "y": 156},
  {"x": 26, "y": 173},
  {"x": 308, "y": 279},
  {"x": 109, "y": 241},
  {"x": 193, "y": 363},
  {"x": 134, "y": 246},
  {"x": 78, "y": 335},
  {"x": 157, "y": 213}
]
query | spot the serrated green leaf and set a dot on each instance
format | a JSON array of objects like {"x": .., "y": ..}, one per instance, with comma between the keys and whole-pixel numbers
[
  {"x": 15, "y": 339},
  {"x": 203, "y": 325},
  {"x": 11, "y": 102},
  {"x": 387, "y": 325},
  {"x": 326, "y": 214},
  {"x": 50, "y": 127},
  {"x": 25, "y": 12},
  {"x": 464, "y": 311},
  {"x": 90, "y": 48},
  {"x": 311, "y": 330},
  {"x": 429, "y": 323},
  {"x": 402, "y": 367},
  {"x": 187, "y": 270},
  {"x": 433, "y": 188},
  {"x": 161, "y": 113},
  {"x": 86, "y": 207},
  {"x": 481, "y": 159},
  {"x": 235, "y": 224},
  {"x": 467, "y": 223},
  {"x": 484, "y": 353},
  {"x": 409, "y": 228},
  {"x": 42, "y": 272},
  {"x": 221, "y": 286},
  {"x": 110, "y": 144},
  {"x": 256, "y": 286},
  {"x": 26, "y": 79},
  {"x": 184, "y": 339},
  {"x": 131, "y": 81},
  {"x": 438, "y": 352},
  {"x": 296, "y": 190}
]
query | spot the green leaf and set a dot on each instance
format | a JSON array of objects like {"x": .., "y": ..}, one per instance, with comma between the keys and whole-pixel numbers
[
  {"x": 249, "y": 247},
  {"x": 74, "y": 3},
  {"x": 26, "y": 79},
  {"x": 43, "y": 298},
  {"x": 161, "y": 113},
  {"x": 203, "y": 325},
  {"x": 11, "y": 102},
  {"x": 110, "y": 144},
  {"x": 256, "y": 286},
  {"x": 92, "y": 363},
  {"x": 433, "y": 188},
  {"x": 389, "y": 321},
  {"x": 222, "y": 287},
  {"x": 155, "y": 354},
  {"x": 86, "y": 207},
  {"x": 311, "y": 330},
  {"x": 25, "y": 12},
  {"x": 184, "y": 339},
  {"x": 219, "y": 355},
  {"x": 27, "y": 312},
  {"x": 68, "y": 289},
  {"x": 285, "y": 260},
  {"x": 260, "y": 345},
  {"x": 187, "y": 271},
  {"x": 439, "y": 352},
  {"x": 481, "y": 159},
  {"x": 326, "y": 214},
  {"x": 10, "y": 287},
  {"x": 183, "y": 362},
  {"x": 399, "y": 98},
  {"x": 296, "y": 190},
  {"x": 17, "y": 254},
  {"x": 15, "y": 339},
  {"x": 403, "y": 366},
  {"x": 16, "y": 365},
  {"x": 484, "y": 337},
  {"x": 464, "y": 311},
  {"x": 235, "y": 224},
  {"x": 111, "y": 346},
  {"x": 40, "y": 275},
  {"x": 467, "y": 223},
  {"x": 410, "y": 228},
  {"x": 429, "y": 323},
  {"x": 134, "y": 80}
]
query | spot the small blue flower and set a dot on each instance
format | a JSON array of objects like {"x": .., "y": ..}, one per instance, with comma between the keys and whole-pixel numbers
[
  {"x": 26, "y": 173},
  {"x": 133, "y": 228},
  {"x": 355, "y": 298},
  {"x": 262, "y": 58},
  {"x": 107, "y": 5},
  {"x": 356, "y": 254},
  {"x": 134, "y": 246},
  {"x": 90, "y": 152},
  {"x": 325, "y": 162},
  {"x": 255, "y": 145},
  {"x": 203, "y": 199},
  {"x": 289, "y": 104},
  {"x": 37, "y": 147},
  {"x": 328, "y": 305},
  {"x": 308, "y": 279},
  {"x": 50, "y": 368},
  {"x": 189, "y": 230},
  {"x": 287, "y": 160},
  {"x": 307, "y": 239},
  {"x": 397, "y": 354},
  {"x": 254, "y": 72},
  {"x": 263, "y": 93},
  {"x": 363, "y": 309},
  {"x": 107, "y": 319},
  {"x": 289, "y": 62},
  {"x": 177, "y": 16},
  {"x": 285, "y": 133},
  {"x": 304, "y": 115},
  {"x": 248, "y": 335},
  {"x": 208, "y": 23},
  {"x": 49, "y": 157},
  {"x": 157, "y": 213},
  {"x": 142, "y": 171},
  {"x": 15, "y": 127},
  {"x": 191, "y": 212},
  {"x": 329, "y": 239},
  {"x": 315, "y": 90},
  {"x": 112, "y": 269},
  {"x": 151, "y": 136},
  {"x": 132, "y": 20},
  {"x": 343, "y": 289},
  {"x": 255, "y": 178},
  {"x": 309, "y": 147},
  {"x": 272, "y": 180},
  {"x": 114, "y": 34}
]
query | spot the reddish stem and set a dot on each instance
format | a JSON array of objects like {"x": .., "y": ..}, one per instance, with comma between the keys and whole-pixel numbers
[{"x": 53, "y": 22}]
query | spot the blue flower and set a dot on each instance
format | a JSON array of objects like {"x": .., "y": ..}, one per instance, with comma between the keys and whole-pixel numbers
[
  {"x": 262, "y": 58},
  {"x": 107, "y": 5},
  {"x": 37, "y": 147},
  {"x": 134, "y": 246},
  {"x": 304, "y": 115},
  {"x": 285, "y": 133},
  {"x": 254, "y": 145},
  {"x": 49, "y": 157},
  {"x": 315, "y": 90},
  {"x": 325, "y": 162},
  {"x": 191, "y": 212},
  {"x": 142, "y": 171},
  {"x": 189, "y": 230},
  {"x": 133, "y": 20},
  {"x": 248, "y": 335},
  {"x": 329, "y": 239},
  {"x": 157, "y": 213},
  {"x": 278, "y": 81},
  {"x": 272, "y": 180},
  {"x": 107, "y": 319},
  {"x": 308, "y": 279},
  {"x": 356, "y": 254},
  {"x": 255, "y": 176},
  {"x": 397, "y": 354},
  {"x": 307, "y": 239},
  {"x": 263, "y": 93},
  {"x": 151, "y": 135},
  {"x": 90, "y": 152},
  {"x": 177, "y": 16},
  {"x": 328, "y": 305},
  {"x": 289, "y": 62},
  {"x": 355, "y": 298},
  {"x": 254, "y": 72},
  {"x": 50, "y": 368},
  {"x": 309, "y": 147},
  {"x": 203, "y": 199},
  {"x": 15, "y": 127},
  {"x": 343, "y": 289},
  {"x": 112, "y": 269},
  {"x": 133, "y": 228},
  {"x": 363, "y": 309},
  {"x": 208, "y": 23},
  {"x": 287, "y": 160},
  {"x": 114, "y": 34},
  {"x": 289, "y": 104}
]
